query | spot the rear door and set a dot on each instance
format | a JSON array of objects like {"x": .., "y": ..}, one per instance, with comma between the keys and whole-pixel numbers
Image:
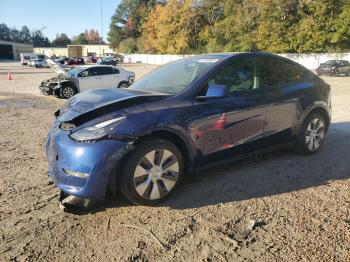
[
  {"x": 221, "y": 125},
  {"x": 287, "y": 94},
  {"x": 109, "y": 77}
]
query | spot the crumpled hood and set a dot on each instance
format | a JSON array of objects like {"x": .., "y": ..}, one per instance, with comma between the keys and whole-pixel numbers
[{"x": 96, "y": 102}]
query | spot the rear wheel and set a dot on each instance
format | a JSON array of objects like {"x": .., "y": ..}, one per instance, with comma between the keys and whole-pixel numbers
[
  {"x": 312, "y": 134},
  {"x": 151, "y": 172},
  {"x": 67, "y": 92}
]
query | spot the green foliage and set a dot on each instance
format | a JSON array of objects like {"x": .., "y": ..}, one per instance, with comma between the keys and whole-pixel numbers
[
  {"x": 127, "y": 19},
  {"x": 38, "y": 39},
  {"x": 80, "y": 39},
  {"x": 128, "y": 45},
  {"x": 194, "y": 26},
  {"x": 24, "y": 35},
  {"x": 61, "y": 40}
]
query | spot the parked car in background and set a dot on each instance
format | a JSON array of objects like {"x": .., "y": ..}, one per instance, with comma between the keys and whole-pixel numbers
[
  {"x": 183, "y": 117},
  {"x": 119, "y": 58},
  {"x": 91, "y": 59},
  {"x": 61, "y": 60},
  {"x": 26, "y": 57},
  {"x": 81, "y": 78},
  {"x": 31, "y": 61},
  {"x": 334, "y": 67},
  {"x": 108, "y": 61},
  {"x": 40, "y": 63},
  {"x": 76, "y": 61}
]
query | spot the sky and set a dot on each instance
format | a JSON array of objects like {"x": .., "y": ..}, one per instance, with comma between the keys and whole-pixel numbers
[{"x": 58, "y": 16}]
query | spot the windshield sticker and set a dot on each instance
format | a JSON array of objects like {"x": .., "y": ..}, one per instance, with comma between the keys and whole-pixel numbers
[{"x": 207, "y": 60}]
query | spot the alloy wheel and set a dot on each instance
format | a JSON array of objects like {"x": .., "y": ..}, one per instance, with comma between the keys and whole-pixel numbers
[
  {"x": 68, "y": 92},
  {"x": 156, "y": 174},
  {"x": 314, "y": 134}
]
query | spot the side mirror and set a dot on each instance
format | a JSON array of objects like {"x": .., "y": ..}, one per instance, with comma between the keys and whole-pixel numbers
[{"x": 213, "y": 91}]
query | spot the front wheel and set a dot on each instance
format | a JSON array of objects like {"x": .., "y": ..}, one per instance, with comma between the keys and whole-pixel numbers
[
  {"x": 312, "y": 134},
  {"x": 151, "y": 172},
  {"x": 67, "y": 92}
]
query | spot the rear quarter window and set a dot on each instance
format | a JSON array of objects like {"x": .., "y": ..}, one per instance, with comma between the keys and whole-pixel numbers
[{"x": 275, "y": 73}]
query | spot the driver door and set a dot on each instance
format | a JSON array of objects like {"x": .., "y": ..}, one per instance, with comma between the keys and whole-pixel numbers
[{"x": 224, "y": 126}]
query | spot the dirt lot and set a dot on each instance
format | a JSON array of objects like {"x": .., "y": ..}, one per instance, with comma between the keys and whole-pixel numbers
[{"x": 300, "y": 205}]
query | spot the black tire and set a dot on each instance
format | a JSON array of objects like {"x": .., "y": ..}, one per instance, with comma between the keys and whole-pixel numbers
[
  {"x": 128, "y": 180},
  {"x": 123, "y": 84},
  {"x": 311, "y": 147},
  {"x": 67, "y": 92}
]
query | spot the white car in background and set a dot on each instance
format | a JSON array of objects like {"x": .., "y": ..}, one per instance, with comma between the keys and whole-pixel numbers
[
  {"x": 84, "y": 77},
  {"x": 40, "y": 63}
]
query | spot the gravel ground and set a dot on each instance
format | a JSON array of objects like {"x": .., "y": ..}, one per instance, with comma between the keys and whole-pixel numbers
[{"x": 274, "y": 207}]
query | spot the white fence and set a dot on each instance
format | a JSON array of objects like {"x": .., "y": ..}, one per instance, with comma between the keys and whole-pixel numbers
[{"x": 310, "y": 61}]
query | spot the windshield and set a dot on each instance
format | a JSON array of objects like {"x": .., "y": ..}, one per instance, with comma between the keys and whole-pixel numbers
[
  {"x": 172, "y": 78},
  {"x": 74, "y": 71}
]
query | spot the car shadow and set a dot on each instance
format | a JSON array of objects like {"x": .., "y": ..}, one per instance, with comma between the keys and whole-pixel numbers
[
  {"x": 269, "y": 174},
  {"x": 260, "y": 176}
]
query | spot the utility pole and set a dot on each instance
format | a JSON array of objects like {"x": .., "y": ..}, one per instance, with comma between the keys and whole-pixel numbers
[{"x": 101, "y": 22}]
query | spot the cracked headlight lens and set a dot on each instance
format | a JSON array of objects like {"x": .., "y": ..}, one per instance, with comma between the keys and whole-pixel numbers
[{"x": 96, "y": 131}]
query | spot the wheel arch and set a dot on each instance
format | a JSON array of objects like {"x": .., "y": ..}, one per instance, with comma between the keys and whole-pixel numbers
[
  {"x": 122, "y": 82},
  {"x": 320, "y": 109},
  {"x": 177, "y": 139},
  {"x": 167, "y": 134}
]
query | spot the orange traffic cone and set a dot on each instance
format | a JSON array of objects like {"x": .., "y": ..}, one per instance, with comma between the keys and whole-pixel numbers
[
  {"x": 9, "y": 76},
  {"x": 220, "y": 123}
]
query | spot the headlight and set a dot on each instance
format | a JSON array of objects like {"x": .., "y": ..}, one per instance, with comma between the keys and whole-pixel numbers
[{"x": 96, "y": 131}]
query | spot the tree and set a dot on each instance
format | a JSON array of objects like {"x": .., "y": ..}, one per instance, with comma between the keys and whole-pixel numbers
[
  {"x": 80, "y": 39},
  {"x": 319, "y": 25},
  {"x": 342, "y": 35},
  {"x": 173, "y": 28},
  {"x": 15, "y": 35},
  {"x": 92, "y": 36},
  {"x": 5, "y": 32},
  {"x": 61, "y": 40},
  {"x": 195, "y": 26},
  {"x": 38, "y": 39},
  {"x": 25, "y": 35},
  {"x": 128, "y": 45},
  {"x": 127, "y": 20}
]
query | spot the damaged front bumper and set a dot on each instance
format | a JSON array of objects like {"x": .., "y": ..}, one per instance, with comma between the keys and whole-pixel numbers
[
  {"x": 46, "y": 89},
  {"x": 83, "y": 169}
]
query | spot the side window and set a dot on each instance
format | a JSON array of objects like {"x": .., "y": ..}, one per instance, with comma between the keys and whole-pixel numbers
[
  {"x": 115, "y": 70},
  {"x": 84, "y": 73},
  {"x": 275, "y": 73},
  {"x": 106, "y": 70},
  {"x": 346, "y": 63},
  {"x": 95, "y": 71},
  {"x": 235, "y": 77}
]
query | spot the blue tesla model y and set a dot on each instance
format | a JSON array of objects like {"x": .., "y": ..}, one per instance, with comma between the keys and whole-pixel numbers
[{"x": 184, "y": 116}]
